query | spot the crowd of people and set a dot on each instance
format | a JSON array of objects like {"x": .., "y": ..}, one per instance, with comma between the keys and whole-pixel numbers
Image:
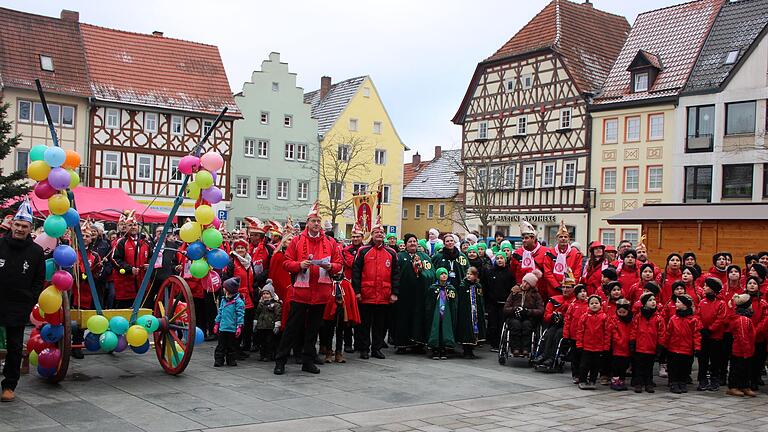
[{"x": 287, "y": 290}]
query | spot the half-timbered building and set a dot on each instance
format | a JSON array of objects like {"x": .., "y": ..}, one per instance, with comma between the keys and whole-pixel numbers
[{"x": 525, "y": 121}]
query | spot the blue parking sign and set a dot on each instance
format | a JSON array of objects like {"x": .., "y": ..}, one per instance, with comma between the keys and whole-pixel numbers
[
  {"x": 393, "y": 229},
  {"x": 223, "y": 215}
]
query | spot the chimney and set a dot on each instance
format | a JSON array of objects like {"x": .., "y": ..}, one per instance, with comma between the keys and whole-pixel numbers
[
  {"x": 416, "y": 159},
  {"x": 588, "y": 3},
  {"x": 438, "y": 152},
  {"x": 325, "y": 86},
  {"x": 157, "y": 33},
  {"x": 70, "y": 16}
]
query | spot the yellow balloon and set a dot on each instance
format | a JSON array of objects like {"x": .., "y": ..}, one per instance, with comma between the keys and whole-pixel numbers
[
  {"x": 58, "y": 204},
  {"x": 33, "y": 358},
  {"x": 193, "y": 191},
  {"x": 97, "y": 324},
  {"x": 38, "y": 170},
  {"x": 136, "y": 336},
  {"x": 204, "y": 214},
  {"x": 50, "y": 300},
  {"x": 190, "y": 232},
  {"x": 75, "y": 179}
]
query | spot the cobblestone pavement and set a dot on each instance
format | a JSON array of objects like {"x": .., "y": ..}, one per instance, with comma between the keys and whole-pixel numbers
[{"x": 128, "y": 392}]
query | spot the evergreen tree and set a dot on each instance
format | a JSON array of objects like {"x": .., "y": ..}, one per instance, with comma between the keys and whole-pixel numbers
[{"x": 13, "y": 184}]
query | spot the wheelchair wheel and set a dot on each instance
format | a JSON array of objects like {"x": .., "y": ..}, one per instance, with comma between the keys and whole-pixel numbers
[{"x": 504, "y": 344}]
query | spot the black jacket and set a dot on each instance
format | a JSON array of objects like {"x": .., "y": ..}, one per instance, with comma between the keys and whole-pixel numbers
[
  {"x": 498, "y": 284},
  {"x": 22, "y": 274}
]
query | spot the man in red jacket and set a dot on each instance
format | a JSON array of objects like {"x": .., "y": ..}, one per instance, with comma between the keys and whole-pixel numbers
[
  {"x": 131, "y": 259},
  {"x": 529, "y": 257},
  {"x": 312, "y": 259},
  {"x": 376, "y": 281},
  {"x": 563, "y": 262}
]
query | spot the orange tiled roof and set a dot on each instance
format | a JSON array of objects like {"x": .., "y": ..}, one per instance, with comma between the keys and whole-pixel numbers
[{"x": 410, "y": 170}]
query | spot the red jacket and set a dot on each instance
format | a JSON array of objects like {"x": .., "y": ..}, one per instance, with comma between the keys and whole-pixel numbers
[
  {"x": 665, "y": 280},
  {"x": 634, "y": 292},
  {"x": 235, "y": 268},
  {"x": 576, "y": 310},
  {"x": 620, "y": 335},
  {"x": 81, "y": 297},
  {"x": 557, "y": 304},
  {"x": 539, "y": 255},
  {"x": 375, "y": 274},
  {"x": 760, "y": 319},
  {"x": 348, "y": 255},
  {"x": 721, "y": 275},
  {"x": 648, "y": 333},
  {"x": 311, "y": 286},
  {"x": 683, "y": 335},
  {"x": 261, "y": 257},
  {"x": 593, "y": 278},
  {"x": 743, "y": 331},
  {"x": 195, "y": 285},
  {"x": 281, "y": 279},
  {"x": 594, "y": 332},
  {"x": 728, "y": 291},
  {"x": 609, "y": 307},
  {"x": 713, "y": 314},
  {"x": 351, "y": 314},
  {"x": 573, "y": 260},
  {"x": 628, "y": 278},
  {"x": 669, "y": 310},
  {"x": 129, "y": 253}
]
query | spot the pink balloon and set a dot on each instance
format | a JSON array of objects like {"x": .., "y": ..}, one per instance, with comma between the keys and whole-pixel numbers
[
  {"x": 46, "y": 242},
  {"x": 213, "y": 195},
  {"x": 44, "y": 190},
  {"x": 212, "y": 161},
  {"x": 62, "y": 280},
  {"x": 216, "y": 223},
  {"x": 189, "y": 164},
  {"x": 49, "y": 358}
]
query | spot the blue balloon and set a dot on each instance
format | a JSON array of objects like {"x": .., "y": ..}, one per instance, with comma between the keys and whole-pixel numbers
[
  {"x": 72, "y": 217},
  {"x": 118, "y": 325},
  {"x": 52, "y": 333},
  {"x": 142, "y": 349},
  {"x": 46, "y": 372},
  {"x": 55, "y": 156},
  {"x": 199, "y": 335},
  {"x": 91, "y": 341},
  {"x": 64, "y": 256},
  {"x": 196, "y": 250},
  {"x": 217, "y": 258}
]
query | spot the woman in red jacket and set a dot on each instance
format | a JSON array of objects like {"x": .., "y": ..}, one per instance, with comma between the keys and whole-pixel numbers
[
  {"x": 620, "y": 335},
  {"x": 719, "y": 269},
  {"x": 593, "y": 337},
  {"x": 573, "y": 315},
  {"x": 648, "y": 332},
  {"x": 760, "y": 321},
  {"x": 592, "y": 275},
  {"x": 629, "y": 273},
  {"x": 712, "y": 312},
  {"x": 241, "y": 265},
  {"x": 671, "y": 274},
  {"x": 743, "y": 331},
  {"x": 758, "y": 270},
  {"x": 683, "y": 342}
]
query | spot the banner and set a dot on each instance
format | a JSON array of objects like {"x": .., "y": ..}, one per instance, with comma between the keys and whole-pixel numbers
[{"x": 364, "y": 205}]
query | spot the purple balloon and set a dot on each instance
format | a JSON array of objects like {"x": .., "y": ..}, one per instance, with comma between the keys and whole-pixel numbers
[
  {"x": 213, "y": 195},
  {"x": 122, "y": 344},
  {"x": 59, "y": 178}
]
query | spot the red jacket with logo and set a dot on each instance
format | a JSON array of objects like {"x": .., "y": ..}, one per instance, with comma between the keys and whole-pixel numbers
[
  {"x": 634, "y": 292},
  {"x": 593, "y": 333},
  {"x": 539, "y": 258},
  {"x": 620, "y": 335},
  {"x": 713, "y": 316},
  {"x": 683, "y": 335},
  {"x": 760, "y": 319},
  {"x": 593, "y": 278},
  {"x": 375, "y": 275},
  {"x": 576, "y": 310},
  {"x": 573, "y": 260},
  {"x": 628, "y": 278},
  {"x": 235, "y": 268},
  {"x": 304, "y": 247},
  {"x": 130, "y": 252},
  {"x": 716, "y": 273},
  {"x": 348, "y": 255},
  {"x": 557, "y": 304},
  {"x": 648, "y": 333},
  {"x": 743, "y": 331}
]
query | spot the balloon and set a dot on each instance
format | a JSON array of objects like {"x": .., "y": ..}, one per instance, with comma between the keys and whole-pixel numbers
[
  {"x": 58, "y": 204},
  {"x": 141, "y": 349},
  {"x": 118, "y": 325},
  {"x": 54, "y": 226},
  {"x": 199, "y": 335},
  {"x": 108, "y": 341},
  {"x": 149, "y": 322},
  {"x": 217, "y": 258},
  {"x": 44, "y": 190},
  {"x": 136, "y": 335},
  {"x": 74, "y": 179},
  {"x": 204, "y": 179},
  {"x": 213, "y": 195},
  {"x": 54, "y": 156},
  {"x": 37, "y": 153},
  {"x": 36, "y": 316},
  {"x": 196, "y": 250},
  {"x": 178, "y": 355},
  {"x": 122, "y": 344},
  {"x": 52, "y": 333},
  {"x": 50, "y": 265},
  {"x": 216, "y": 223},
  {"x": 45, "y": 372},
  {"x": 212, "y": 238},
  {"x": 59, "y": 178},
  {"x": 49, "y": 358},
  {"x": 193, "y": 191},
  {"x": 71, "y": 160},
  {"x": 36, "y": 343},
  {"x": 50, "y": 300},
  {"x": 72, "y": 217},
  {"x": 97, "y": 324},
  {"x": 64, "y": 256},
  {"x": 212, "y": 161},
  {"x": 199, "y": 268},
  {"x": 189, "y": 164},
  {"x": 54, "y": 318},
  {"x": 62, "y": 280},
  {"x": 38, "y": 170},
  {"x": 190, "y": 232},
  {"x": 92, "y": 342},
  {"x": 204, "y": 215},
  {"x": 33, "y": 358}
]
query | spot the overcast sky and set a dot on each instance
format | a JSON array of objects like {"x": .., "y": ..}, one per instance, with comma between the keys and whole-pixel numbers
[{"x": 421, "y": 54}]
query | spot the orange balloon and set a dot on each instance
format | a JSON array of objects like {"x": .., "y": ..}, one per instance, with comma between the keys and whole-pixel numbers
[{"x": 73, "y": 160}]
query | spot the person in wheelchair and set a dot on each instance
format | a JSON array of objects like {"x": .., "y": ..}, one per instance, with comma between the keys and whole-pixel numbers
[
  {"x": 554, "y": 315},
  {"x": 523, "y": 311}
]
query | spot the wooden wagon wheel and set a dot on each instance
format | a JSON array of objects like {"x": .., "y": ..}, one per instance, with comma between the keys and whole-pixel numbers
[
  {"x": 65, "y": 344},
  {"x": 175, "y": 309}
]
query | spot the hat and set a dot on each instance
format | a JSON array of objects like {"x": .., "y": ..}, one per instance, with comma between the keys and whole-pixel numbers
[
  {"x": 641, "y": 244},
  {"x": 390, "y": 235},
  {"x": 645, "y": 297},
  {"x": 762, "y": 272},
  {"x": 594, "y": 296},
  {"x": 275, "y": 228},
  {"x": 563, "y": 230},
  {"x": 399, "y": 242},
  {"x": 742, "y": 300},
  {"x": 714, "y": 284},
  {"x": 672, "y": 255},
  {"x": 579, "y": 288},
  {"x": 532, "y": 278},
  {"x": 232, "y": 284},
  {"x": 269, "y": 288},
  {"x": 357, "y": 229},
  {"x": 482, "y": 245},
  {"x": 99, "y": 227},
  {"x": 423, "y": 243},
  {"x": 441, "y": 271},
  {"x": 694, "y": 271},
  {"x": 596, "y": 244},
  {"x": 611, "y": 285},
  {"x": 629, "y": 252},
  {"x": 239, "y": 242},
  {"x": 128, "y": 217},
  {"x": 686, "y": 300},
  {"x": 473, "y": 248},
  {"x": 642, "y": 267},
  {"x": 676, "y": 284},
  {"x": 314, "y": 211},
  {"x": 501, "y": 254},
  {"x": 718, "y": 255},
  {"x": 623, "y": 303},
  {"x": 6, "y": 225},
  {"x": 576, "y": 245},
  {"x": 757, "y": 280},
  {"x": 652, "y": 287},
  {"x": 731, "y": 267},
  {"x": 434, "y": 231},
  {"x": 471, "y": 238},
  {"x": 689, "y": 255},
  {"x": 25, "y": 212},
  {"x": 505, "y": 244},
  {"x": 253, "y": 223},
  {"x": 610, "y": 248},
  {"x": 610, "y": 273},
  {"x": 526, "y": 228},
  {"x": 377, "y": 225}
]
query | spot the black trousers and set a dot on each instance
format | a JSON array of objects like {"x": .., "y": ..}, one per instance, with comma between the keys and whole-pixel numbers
[
  {"x": 606, "y": 360},
  {"x": 495, "y": 322},
  {"x": 210, "y": 312},
  {"x": 226, "y": 349},
  {"x": 338, "y": 327},
  {"x": 726, "y": 355},
  {"x": 14, "y": 341},
  {"x": 679, "y": 367},
  {"x": 304, "y": 321},
  {"x": 201, "y": 313},
  {"x": 265, "y": 340},
  {"x": 246, "y": 337},
  {"x": 619, "y": 366},
  {"x": 738, "y": 376},
  {"x": 757, "y": 364},
  {"x": 575, "y": 359},
  {"x": 710, "y": 359},
  {"x": 373, "y": 326},
  {"x": 520, "y": 333},
  {"x": 642, "y": 369},
  {"x": 589, "y": 366},
  {"x": 326, "y": 333},
  {"x": 549, "y": 342}
]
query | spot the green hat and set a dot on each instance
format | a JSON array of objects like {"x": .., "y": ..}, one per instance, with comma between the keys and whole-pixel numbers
[
  {"x": 482, "y": 245},
  {"x": 439, "y": 246},
  {"x": 440, "y": 271},
  {"x": 399, "y": 242},
  {"x": 505, "y": 244},
  {"x": 423, "y": 243},
  {"x": 391, "y": 235},
  {"x": 501, "y": 254},
  {"x": 472, "y": 248}
]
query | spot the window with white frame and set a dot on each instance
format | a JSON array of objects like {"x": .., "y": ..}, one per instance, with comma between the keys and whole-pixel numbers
[
  {"x": 207, "y": 125},
  {"x": 336, "y": 191},
  {"x": 301, "y": 152},
  {"x": 430, "y": 211},
  {"x": 25, "y": 111},
  {"x": 509, "y": 176},
  {"x": 565, "y": 118},
  {"x": 290, "y": 151},
  {"x": 655, "y": 178},
  {"x": 275, "y": 86},
  {"x": 405, "y": 212},
  {"x": 262, "y": 188},
  {"x": 631, "y": 179},
  {"x": 609, "y": 180},
  {"x": 569, "y": 173},
  {"x": 264, "y": 117},
  {"x": 641, "y": 82},
  {"x": 343, "y": 152},
  {"x": 242, "y": 187},
  {"x": 263, "y": 149},
  {"x": 522, "y": 125},
  {"x": 386, "y": 191},
  {"x": 482, "y": 130},
  {"x": 288, "y": 120},
  {"x": 353, "y": 125},
  {"x": 608, "y": 236},
  {"x": 366, "y": 92},
  {"x": 527, "y": 81},
  {"x": 442, "y": 210},
  {"x": 529, "y": 176},
  {"x": 176, "y": 125},
  {"x": 176, "y": 175},
  {"x": 380, "y": 157},
  {"x": 144, "y": 167},
  {"x": 67, "y": 116},
  {"x": 113, "y": 118},
  {"x": 656, "y": 126},
  {"x": 38, "y": 114},
  {"x": 417, "y": 211},
  {"x": 359, "y": 188},
  {"x": 282, "y": 189},
  {"x": 22, "y": 160},
  {"x": 249, "y": 148},
  {"x": 482, "y": 176},
  {"x": 111, "y": 165},
  {"x": 633, "y": 129},
  {"x": 548, "y": 174},
  {"x": 302, "y": 190},
  {"x": 630, "y": 235},
  {"x": 731, "y": 56},
  {"x": 611, "y": 131},
  {"x": 377, "y": 127},
  {"x": 55, "y": 111},
  {"x": 150, "y": 122}
]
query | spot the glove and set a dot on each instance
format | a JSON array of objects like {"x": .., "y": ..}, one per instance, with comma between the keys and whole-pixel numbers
[
  {"x": 238, "y": 331},
  {"x": 277, "y": 327},
  {"x": 705, "y": 333},
  {"x": 523, "y": 312},
  {"x": 216, "y": 329},
  {"x": 556, "y": 318},
  {"x": 632, "y": 346}
]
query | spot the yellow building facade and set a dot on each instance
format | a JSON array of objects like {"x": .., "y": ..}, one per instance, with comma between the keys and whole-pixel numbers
[{"x": 419, "y": 215}]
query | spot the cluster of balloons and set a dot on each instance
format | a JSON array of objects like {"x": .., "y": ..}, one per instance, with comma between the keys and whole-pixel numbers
[
  {"x": 116, "y": 334},
  {"x": 203, "y": 237},
  {"x": 55, "y": 171},
  {"x": 42, "y": 346}
]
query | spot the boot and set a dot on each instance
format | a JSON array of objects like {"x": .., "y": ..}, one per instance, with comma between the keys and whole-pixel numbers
[
  {"x": 339, "y": 357},
  {"x": 749, "y": 392},
  {"x": 323, "y": 350},
  {"x": 311, "y": 368},
  {"x": 675, "y": 388},
  {"x": 650, "y": 389},
  {"x": 704, "y": 384},
  {"x": 583, "y": 386},
  {"x": 615, "y": 384},
  {"x": 622, "y": 385},
  {"x": 714, "y": 384},
  {"x": 604, "y": 380},
  {"x": 638, "y": 388},
  {"x": 684, "y": 387},
  {"x": 279, "y": 367},
  {"x": 328, "y": 357},
  {"x": 663, "y": 371},
  {"x": 8, "y": 395},
  {"x": 734, "y": 392},
  {"x": 77, "y": 353}
]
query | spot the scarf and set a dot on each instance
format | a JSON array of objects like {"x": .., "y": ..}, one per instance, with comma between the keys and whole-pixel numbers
[
  {"x": 244, "y": 261},
  {"x": 560, "y": 263},
  {"x": 627, "y": 318},
  {"x": 684, "y": 313},
  {"x": 528, "y": 263},
  {"x": 744, "y": 311},
  {"x": 442, "y": 300},
  {"x": 711, "y": 296},
  {"x": 647, "y": 312}
]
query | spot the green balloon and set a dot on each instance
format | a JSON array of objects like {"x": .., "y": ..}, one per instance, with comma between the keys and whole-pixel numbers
[
  {"x": 50, "y": 268},
  {"x": 37, "y": 153},
  {"x": 199, "y": 268},
  {"x": 108, "y": 341},
  {"x": 55, "y": 226},
  {"x": 212, "y": 238},
  {"x": 204, "y": 179},
  {"x": 149, "y": 322}
]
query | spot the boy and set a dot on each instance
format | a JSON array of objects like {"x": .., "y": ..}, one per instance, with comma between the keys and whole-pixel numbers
[
  {"x": 441, "y": 310},
  {"x": 576, "y": 310},
  {"x": 620, "y": 335},
  {"x": 743, "y": 331},
  {"x": 648, "y": 331},
  {"x": 593, "y": 337},
  {"x": 683, "y": 341},
  {"x": 470, "y": 314},
  {"x": 229, "y": 324},
  {"x": 268, "y": 313},
  {"x": 712, "y": 312}
]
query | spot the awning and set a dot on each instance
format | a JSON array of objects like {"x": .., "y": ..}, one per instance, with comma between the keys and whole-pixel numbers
[
  {"x": 691, "y": 212},
  {"x": 103, "y": 204}
]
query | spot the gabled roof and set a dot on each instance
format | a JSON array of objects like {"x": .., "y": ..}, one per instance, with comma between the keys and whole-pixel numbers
[
  {"x": 739, "y": 27},
  {"x": 437, "y": 179},
  {"x": 24, "y": 37},
  {"x": 644, "y": 58},
  {"x": 674, "y": 35},
  {"x": 328, "y": 109},
  {"x": 156, "y": 71}
]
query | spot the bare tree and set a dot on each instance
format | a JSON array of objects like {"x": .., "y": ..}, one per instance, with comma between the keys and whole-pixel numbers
[
  {"x": 343, "y": 158},
  {"x": 481, "y": 183}
]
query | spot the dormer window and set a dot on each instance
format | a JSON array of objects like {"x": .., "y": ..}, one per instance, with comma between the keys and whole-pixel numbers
[
  {"x": 644, "y": 69},
  {"x": 730, "y": 58},
  {"x": 641, "y": 82}
]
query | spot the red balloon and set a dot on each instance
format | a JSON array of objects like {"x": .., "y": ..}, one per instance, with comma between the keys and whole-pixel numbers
[
  {"x": 54, "y": 318},
  {"x": 37, "y": 344},
  {"x": 44, "y": 190}
]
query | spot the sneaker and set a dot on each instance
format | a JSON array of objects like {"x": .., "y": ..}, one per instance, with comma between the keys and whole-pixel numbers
[
  {"x": 435, "y": 355},
  {"x": 749, "y": 392},
  {"x": 494, "y": 349},
  {"x": 663, "y": 371},
  {"x": 365, "y": 355},
  {"x": 348, "y": 349},
  {"x": 583, "y": 386},
  {"x": 650, "y": 389},
  {"x": 676, "y": 388},
  {"x": 218, "y": 364},
  {"x": 8, "y": 395},
  {"x": 279, "y": 368},
  {"x": 378, "y": 354},
  {"x": 591, "y": 386},
  {"x": 575, "y": 380},
  {"x": 638, "y": 389},
  {"x": 684, "y": 387},
  {"x": 703, "y": 385},
  {"x": 734, "y": 392},
  {"x": 714, "y": 385}
]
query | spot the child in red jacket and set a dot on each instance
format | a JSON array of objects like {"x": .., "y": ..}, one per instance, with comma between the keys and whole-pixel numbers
[
  {"x": 570, "y": 323},
  {"x": 594, "y": 338},
  {"x": 743, "y": 331},
  {"x": 712, "y": 312},
  {"x": 613, "y": 292},
  {"x": 683, "y": 342},
  {"x": 620, "y": 335},
  {"x": 648, "y": 330},
  {"x": 760, "y": 321}
]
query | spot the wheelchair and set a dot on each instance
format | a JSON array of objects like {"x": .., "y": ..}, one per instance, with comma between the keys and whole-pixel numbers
[
  {"x": 505, "y": 350},
  {"x": 558, "y": 358}
]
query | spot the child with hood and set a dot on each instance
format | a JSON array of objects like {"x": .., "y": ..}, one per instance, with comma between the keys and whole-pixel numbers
[
  {"x": 440, "y": 312},
  {"x": 229, "y": 323},
  {"x": 648, "y": 332},
  {"x": 268, "y": 316},
  {"x": 683, "y": 342},
  {"x": 573, "y": 315},
  {"x": 593, "y": 337}
]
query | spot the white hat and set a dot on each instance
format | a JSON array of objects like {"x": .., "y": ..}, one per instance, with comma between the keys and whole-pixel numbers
[
  {"x": 471, "y": 238},
  {"x": 25, "y": 212},
  {"x": 434, "y": 231},
  {"x": 526, "y": 228}
]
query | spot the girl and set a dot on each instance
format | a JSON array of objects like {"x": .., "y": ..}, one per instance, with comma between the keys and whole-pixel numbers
[
  {"x": 712, "y": 312},
  {"x": 719, "y": 268},
  {"x": 648, "y": 331},
  {"x": 743, "y": 331},
  {"x": 523, "y": 310},
  {"x": 671, "y": 274},
  {"x": 732, "y": 284},
  {"x": 475, "y": 260},
  {"x": 576, "y": 310},
  {"x": 609, "y": 275},
  {"x": 683, "y": 341},
  {"x": 613, "y": 293},
  {"x": 620, "y": 335},
  {"x": 634, "y": 292},
  {"x": 689, "y": 276},
  {"x": 593, "y": 337},
  {"x": 593, "y": 270},
  {"x": 629, "y": 272},
  {"x": 441, "y": 310},
  {"x": 470, "y": 314},
  {"x": 229, "y": 324},
  {"x": 498, "y": 282},
  {"x": 760, "y": 322}
]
